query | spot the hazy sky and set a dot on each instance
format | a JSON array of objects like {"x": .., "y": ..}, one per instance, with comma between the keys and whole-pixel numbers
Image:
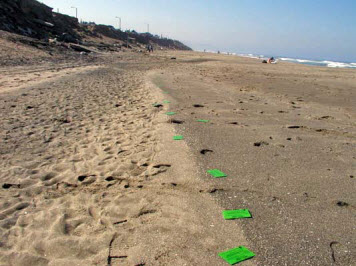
[{"x": 315, "y": 29}]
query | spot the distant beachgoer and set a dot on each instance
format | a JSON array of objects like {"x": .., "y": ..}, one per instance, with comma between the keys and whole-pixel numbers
[
  {"x": 149, "y": 48},
  {"x": 271, "y": 60}
]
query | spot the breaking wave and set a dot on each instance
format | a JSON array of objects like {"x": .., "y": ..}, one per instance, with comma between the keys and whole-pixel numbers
[
  {"x": 324, "y": 63},
  {"x": 320, "y": 63}
]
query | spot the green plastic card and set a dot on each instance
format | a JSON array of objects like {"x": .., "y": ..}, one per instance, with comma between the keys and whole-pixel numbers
[
  {"x": 170, "y": 113},
  {"x": 236, "y": 214},
  {"x": 236, "y": 255},
  {"x": 216, "y": 173},
  {"x": 166, "y": 92},
  {"x": 166, "y": 102},
  {"x": 203, "y": 120},
  {"x": 156, "y": 104},
  {"x": 178, "y": 137}
]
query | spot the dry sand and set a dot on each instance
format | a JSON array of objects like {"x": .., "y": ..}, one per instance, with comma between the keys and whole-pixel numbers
[{"x": 90, "y": 174}]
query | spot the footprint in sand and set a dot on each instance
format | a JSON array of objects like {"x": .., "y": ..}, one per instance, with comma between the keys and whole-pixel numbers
[
  {"x": 211, "y": 190},
  {"x": 342, "y": 204},
  {"x": 205, "y": 151},
  {"x": 294, "y": 127},
  {"x": 48, "y": 176},
  {"x": 158, "y": 168},
  {"x": 109, "y": 178},
  {"x": 260, "y": 143},
  {"x": 86, "y": 179},
  {"x": 175, "y": 121},
  {"x": 7, "y": 185}
]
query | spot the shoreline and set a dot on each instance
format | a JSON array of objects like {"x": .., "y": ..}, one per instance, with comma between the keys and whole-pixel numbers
[{"x": 308, "y": 62}]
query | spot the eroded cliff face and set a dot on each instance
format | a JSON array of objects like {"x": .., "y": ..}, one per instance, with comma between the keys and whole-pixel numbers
[{"x": 34, "y": 19}]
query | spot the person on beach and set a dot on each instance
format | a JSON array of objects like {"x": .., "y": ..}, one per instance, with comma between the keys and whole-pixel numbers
[
  {"x": 271, "y": 60},
  {"x": 149, "y": 48}
]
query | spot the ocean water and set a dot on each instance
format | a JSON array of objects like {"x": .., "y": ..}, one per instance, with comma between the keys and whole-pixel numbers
[
  {"x": 324, "y": 63},
  {"x": 320, "y": 63}
]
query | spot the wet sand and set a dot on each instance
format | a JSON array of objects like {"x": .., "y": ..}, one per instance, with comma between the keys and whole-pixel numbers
[
  {"x": 90, "y": 174},
  {"x": 285, "y": 135}
]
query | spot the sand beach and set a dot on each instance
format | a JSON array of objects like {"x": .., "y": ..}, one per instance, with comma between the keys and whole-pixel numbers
[{"x": 90, "y": 173}]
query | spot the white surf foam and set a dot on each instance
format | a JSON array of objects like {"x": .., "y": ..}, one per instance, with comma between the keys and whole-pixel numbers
[{"x": 325, "y": 63}]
